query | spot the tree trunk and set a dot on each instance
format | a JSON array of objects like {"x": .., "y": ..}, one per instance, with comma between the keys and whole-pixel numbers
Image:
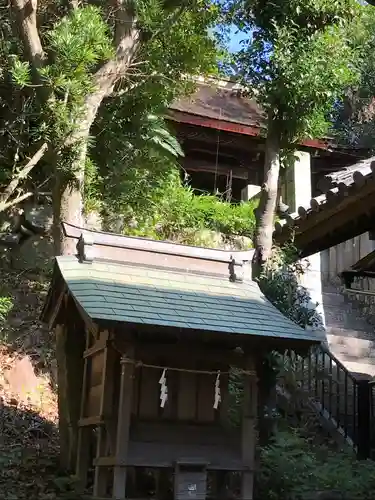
[
  {"x": 265, "y": 212},
  {"x": 105, "y": 79},
  {"x": 68, "y": 201}
]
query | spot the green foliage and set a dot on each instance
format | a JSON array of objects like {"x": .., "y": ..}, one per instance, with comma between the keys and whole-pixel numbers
[
  {"x": 310, "y": 15},
  {"x": 177, "y": 48},
  {"x": 160, "y": 137},
  {"x": 281, "y": 283},
  {"x": 298, "y": 61},
  {"x": 5, "y": 307},
  {"x": 159, "y": 205},
  {"x": 79, "y": 42},
  {"x": 134, "y": 150},
  {"x": 48, "y": 103},
  {"x": 20, "y": 72},
  {"x": 354, "y": 118},
  {"x": 291, "y": 467}
]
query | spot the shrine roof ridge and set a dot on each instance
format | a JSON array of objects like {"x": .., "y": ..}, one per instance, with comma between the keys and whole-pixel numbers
[{"x": 111, "y": 240}]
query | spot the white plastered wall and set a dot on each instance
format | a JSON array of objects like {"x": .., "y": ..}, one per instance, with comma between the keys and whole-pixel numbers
[{"x": 297, "y": 192}]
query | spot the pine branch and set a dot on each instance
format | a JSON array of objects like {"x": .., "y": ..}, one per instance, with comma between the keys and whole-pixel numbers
[
  {"x": 15, "y": 201},
  {"x": 22, "y": 174}
]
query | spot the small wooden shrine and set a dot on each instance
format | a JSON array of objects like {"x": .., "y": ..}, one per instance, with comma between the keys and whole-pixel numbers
[{"x": 163, "y": 324}]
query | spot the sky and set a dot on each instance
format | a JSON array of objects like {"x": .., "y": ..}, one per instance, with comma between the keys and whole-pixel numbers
[{"x": 235, "y": 38}]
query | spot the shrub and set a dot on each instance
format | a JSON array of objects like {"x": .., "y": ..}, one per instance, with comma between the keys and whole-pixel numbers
[
  {"x": 5, "y": 307},
  {"x": 160, "y": 206},
  {"x": 290, "y": 468},
  {"x": 281, "y": 285}
]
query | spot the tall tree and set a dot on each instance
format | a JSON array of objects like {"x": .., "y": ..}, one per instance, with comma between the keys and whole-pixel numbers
[
  {"x": 296, "y": 61},
  {"x": 70, "y": 73},
  {"x": 76, "y": 57}
]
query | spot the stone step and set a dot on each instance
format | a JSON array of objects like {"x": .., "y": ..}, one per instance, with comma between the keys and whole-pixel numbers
[
  {"x": 356, "y": 353},
  {"x": 336, "y": 317},
  {"x": 332, "y": 287},
  {"x": 350, "y": 333},
  {"x": 333, "y": 298}
]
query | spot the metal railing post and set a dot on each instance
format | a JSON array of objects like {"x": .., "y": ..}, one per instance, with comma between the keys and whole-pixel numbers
[{"x": 364, "y": 419}]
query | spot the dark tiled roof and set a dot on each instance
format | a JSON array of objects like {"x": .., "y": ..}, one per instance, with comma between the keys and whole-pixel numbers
[
  {"x": 151, "y": 295},
  {"x": 224, "y": 104},
  {"x": 367, "y": 263},
  {"x": 348, "y": 176},
  {"x": 339, "y": 188}
]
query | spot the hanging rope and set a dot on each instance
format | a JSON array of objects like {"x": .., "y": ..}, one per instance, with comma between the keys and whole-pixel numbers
[
  {"x": 228, "y": 190},
  {"x": 217, "y": 153},
  {"x": 163, "y": 378},
  {"x": 140, "y": 364}
]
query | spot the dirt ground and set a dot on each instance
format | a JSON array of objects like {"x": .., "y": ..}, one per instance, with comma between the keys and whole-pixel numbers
[{"x": 29, "y": 445}]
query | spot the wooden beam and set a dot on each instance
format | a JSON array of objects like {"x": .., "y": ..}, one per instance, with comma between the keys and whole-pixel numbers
[
  {"x": 334, "y": 231},
  {"x": 213, "y": 123},
  {"x": 351, "y": 216},
  {"x": 357, "y": 202},
  {"x": 58, "y": 304},
  {"x": 91, "y": 421},
  {"x": 192, "y": 136},
  {"x": 69, "y": 349},
  {"x": 99, "y": 346},
  {"x": 196, "y": 350},
  {"x": 162, "y": 464},
  {"x": 89, "y": 323},
  {"x": 247, "y": 130},
  {"x": 249, "y": 430},
  {"x": 220, "y": 169}
]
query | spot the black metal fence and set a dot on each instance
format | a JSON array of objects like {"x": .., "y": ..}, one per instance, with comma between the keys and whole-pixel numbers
[{"x": 346, "y": 400}]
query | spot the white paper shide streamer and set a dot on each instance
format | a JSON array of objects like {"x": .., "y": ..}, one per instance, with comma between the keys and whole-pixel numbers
[
  {"x": 217, "y": 399},
  {"x": 163, "y": 388}
]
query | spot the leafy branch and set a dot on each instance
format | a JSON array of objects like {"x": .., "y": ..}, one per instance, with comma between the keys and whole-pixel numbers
[{"x": 6, "y": 200}]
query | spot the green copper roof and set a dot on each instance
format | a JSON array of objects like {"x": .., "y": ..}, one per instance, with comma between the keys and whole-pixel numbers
[{"x": 154, "y": 296}]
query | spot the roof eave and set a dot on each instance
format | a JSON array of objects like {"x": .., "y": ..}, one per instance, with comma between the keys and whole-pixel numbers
[
  {"x": 235, "y": 338},
  {"x": 54, "y": 300},
  {"x": 234, "y": 127}
]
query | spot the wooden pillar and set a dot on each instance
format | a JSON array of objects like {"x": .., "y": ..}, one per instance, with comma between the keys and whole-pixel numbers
[
  {"x": 105, "y": 414},
  {"x": 70, "y": 345},
  {"x": 249, "y": 414},
  {"x": 123, "y": 424},
  {"x": 84, "y": 433}
]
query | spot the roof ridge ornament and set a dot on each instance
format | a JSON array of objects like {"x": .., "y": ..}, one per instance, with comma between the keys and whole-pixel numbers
[
  {"x": 85, "y": 247},
  {"x": 236, "y": 273}
]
